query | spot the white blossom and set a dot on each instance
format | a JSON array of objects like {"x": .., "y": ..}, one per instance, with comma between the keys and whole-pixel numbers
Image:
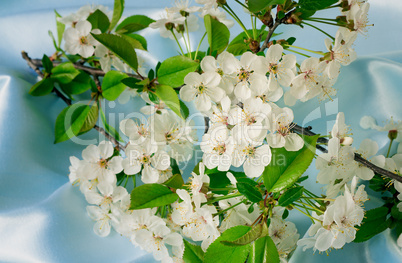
[
  {"x": 279, "y": 125},
  {"x": 203, "y": 88},
  {"x": 79, "y": 40},
  {"x": 99, "y": 164}
]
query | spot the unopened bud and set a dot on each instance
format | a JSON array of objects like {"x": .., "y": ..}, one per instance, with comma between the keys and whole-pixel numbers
[
  {"x": 345, "y": 5},
  {"x": 180, "y": 28},
  {"x": 392, "y": 134},
  {"x": 221, "y": 2},
  {"x": 169, "y": 26},
  {"x": 184, "y": 13},
  {"x": 254, "y": 46},
  {"x": 341, "y": 20},
  {"x": 267, "y": 19},
  {"x": 346, "y": 141}
]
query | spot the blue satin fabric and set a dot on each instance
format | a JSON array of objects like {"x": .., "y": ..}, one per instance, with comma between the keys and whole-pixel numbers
[{"x": 43, "y": 218}]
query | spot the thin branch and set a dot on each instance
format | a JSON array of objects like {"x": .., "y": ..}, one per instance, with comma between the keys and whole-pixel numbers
[
  {"x": 92, "y": 71},
  {"x": 109, "y": 137},
  {"x": 270, "y": 33},
  {"x": 357, "y": 157},
  {"x": 35, "y": 66}
]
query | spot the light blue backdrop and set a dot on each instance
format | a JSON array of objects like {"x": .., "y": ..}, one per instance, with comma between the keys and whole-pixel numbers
[{"x": 43, "y": 218}]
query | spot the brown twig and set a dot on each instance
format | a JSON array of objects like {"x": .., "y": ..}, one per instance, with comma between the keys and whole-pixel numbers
[
  {"x": 357, "y": 157},
  {"x": 92, "y": 71},
  {"x": 33, "y": 63},
  {"x": 270, "y": 33}
]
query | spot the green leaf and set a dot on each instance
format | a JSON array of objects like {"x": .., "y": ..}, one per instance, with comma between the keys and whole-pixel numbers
[
  {"x": 218, "y": 34},
  {"x": 151, "y": 195},
  {"x": 70, "y": 122},
  {"x": 112, "y": 86},
  {"x": 133, "y": 23},
  {"x": 43, "y": 87},
  {"x": 237, "y": 46},
  {"x": 169, "y": 97},
  {"x": 90, "y": 120},
  {"x": 217, "y": 252},
  {"x": 120, "y": 47},
  {"x": 60, "y": 29},
  {"x": 218, "y": 180},
  {"x": 184, "y": 111},
  {"x": 263, "y": 250},
  {"x": 133, "y": 42},
  {"x": 395, "y": 213},
  {"x": 176, "y": 181},
  {"x": 286, "y": 167},
  {"x": 192, "y": 253},
  {"x": 64, "y": 73},
  {"x": 110, "y": 129},
  {"x": 117, "y": 12},
  {"x": 132, "y": 83},
  {"x": 249, "y": 237},
  {"x": 249, "y": 191},
  {"x": 316, "y": 4},
  {"x": 99, "y": 20},
  {"x": 256, "y": 6},
  {"x": 375, "y": 222},
  {"x": 47, "y": 63},
  {"x": 290, "y": 196},
  {"x": 81, "y": 83},
  {"x": 173, "y": 70},
  {"x": 140, "y": 39}
]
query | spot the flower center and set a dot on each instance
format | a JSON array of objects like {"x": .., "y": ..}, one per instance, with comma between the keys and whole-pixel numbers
[
  {"x": 221, "y": 148},
  {"x": 201, "y": 89},
  {"x": 84, "y": 41},
  {"x": 244, "y": 75},
  {"x": 103, "y": 163},
  {"x": 145, "y": 159}
]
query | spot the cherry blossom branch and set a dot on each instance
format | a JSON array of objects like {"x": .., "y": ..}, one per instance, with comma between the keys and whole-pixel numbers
[
  {"x": 35, "y": 66},
  {"x": 270, "y": 33},
  {"x": 92, "y": 71},
  {"x": 357, "y": 157}
]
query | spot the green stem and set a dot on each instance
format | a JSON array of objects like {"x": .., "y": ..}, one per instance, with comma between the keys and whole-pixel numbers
[
  {"x": 253, "y": 26},
  {"x": 389, "y": 148},
  {"x": 222, "y": 189},
  {"x": 134, "y": 180},
  {"x": 178, "y": 43},
  {"x": 199, "y": 44},
  {"x": 332, "y": 6},
  {"x": 313, "y": 219},
  {"x": 310, "y": 206},
  {"x": 222, "y": 198},
  {"x": 297, "y": 52},
  {"x": 318, "y": 198},
  {"x": 308, "y": 50},
  {"x": 320, "y": 18},
  {"x": 234, "y": 16},
  {"x": 230, "y": 207},
  {"x": 125, "y": 184},
  {"x": 323, "y": 22},
  {"x": 188, "y": 38},
  {"x": 185, "y": 42},
  {"x": 240, "y": 3},
  {"x": 322, "y": 31},
  {"x": 309, "y": 193}
]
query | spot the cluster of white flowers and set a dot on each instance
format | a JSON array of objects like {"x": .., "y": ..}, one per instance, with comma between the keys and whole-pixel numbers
[
  {"x": 239, "y": 100},
  {"x": 153, "y": 142},
  {"x": 181, "y": 18},
  {"x": 337, "y": 225},
  {"x": 96, "y": 175},
  {"x": 283, "y": 233},
  {"x": 337, "y": 167}
]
